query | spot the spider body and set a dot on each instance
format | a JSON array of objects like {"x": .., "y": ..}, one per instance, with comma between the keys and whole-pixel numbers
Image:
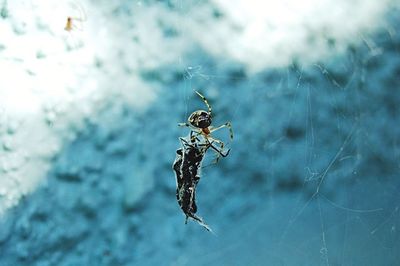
[
  {"x": 68, "y": 25},
  {"x": 200, "y": 119},
  {"x": 71, "y": 23}
]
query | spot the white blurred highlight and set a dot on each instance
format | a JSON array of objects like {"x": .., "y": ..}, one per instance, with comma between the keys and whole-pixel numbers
[
  {"x": 273, "y": 33},
  {"x": 50, "y": 84}
]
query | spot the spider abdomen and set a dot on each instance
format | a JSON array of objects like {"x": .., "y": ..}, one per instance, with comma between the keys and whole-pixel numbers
[{"x": 200, "y": 119}]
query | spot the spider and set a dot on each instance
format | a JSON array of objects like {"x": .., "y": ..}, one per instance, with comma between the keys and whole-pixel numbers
[
  {"x": 200, "y": 124},
  {"x": 70, "y": 24}
]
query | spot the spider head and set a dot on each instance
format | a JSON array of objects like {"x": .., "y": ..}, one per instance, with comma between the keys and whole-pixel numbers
[{"x": 200, "y": 119}]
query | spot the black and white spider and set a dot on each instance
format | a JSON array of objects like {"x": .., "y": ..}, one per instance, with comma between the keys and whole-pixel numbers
[
  {"x": 200, "y": 124},
  {"x": 187, "y": 164}
]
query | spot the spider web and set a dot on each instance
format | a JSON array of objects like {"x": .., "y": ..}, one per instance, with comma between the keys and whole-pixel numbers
[
  {"x": 312, "y": 174},
  {"x": 311, "y": 178}
]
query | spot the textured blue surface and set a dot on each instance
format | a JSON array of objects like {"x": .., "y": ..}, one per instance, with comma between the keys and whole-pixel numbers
[{"x": 312, "y": 178}]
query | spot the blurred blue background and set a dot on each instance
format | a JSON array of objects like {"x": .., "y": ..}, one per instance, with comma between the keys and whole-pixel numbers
[{"x": 312, "y": 177}]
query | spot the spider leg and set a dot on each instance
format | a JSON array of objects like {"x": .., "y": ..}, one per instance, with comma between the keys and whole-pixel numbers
[
  {"x": 227, "y": 125},
  {"x": 185, "y": 143},
  {"x": 192, "y": 128},
  {"x": 189, "y": 126},
  {"x": 195, "y": 132},
  {"x": 184, "y": 125},
  {"x": 218, "y": 151},
  {"x": 208, "y": 144},
  {"x": 196, "y": 145},
  {"x": 195, "y": 137},
  {"x": 81, "y": 10},
  {"x": 205, "y": 101},
  {"x": 73, "y": 27}
]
